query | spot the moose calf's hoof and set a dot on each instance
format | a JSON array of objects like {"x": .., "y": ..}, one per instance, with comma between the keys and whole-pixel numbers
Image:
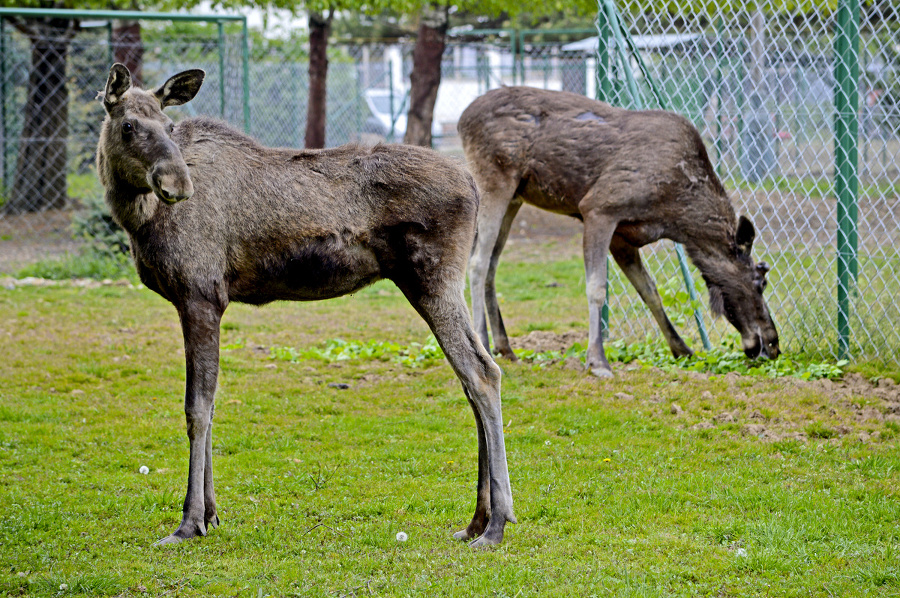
[
  {"x": 170, "y": 539},
  {"x": 507, "y": 354},
  {"x": 602, "y": 372},
  {"x": 682, "y": 351},
  {"x": 463, "y": 535},
  {"x": 486, "y": 541}
]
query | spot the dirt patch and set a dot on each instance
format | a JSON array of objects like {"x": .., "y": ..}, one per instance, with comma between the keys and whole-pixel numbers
[
  {"x": 540, "y": 341},
  {"x": 851, "y": 407}
]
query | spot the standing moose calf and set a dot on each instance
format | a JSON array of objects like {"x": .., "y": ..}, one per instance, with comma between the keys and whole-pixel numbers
[
  {"x": 214, "y": 217},
  {"x": 633, "y": 178}
]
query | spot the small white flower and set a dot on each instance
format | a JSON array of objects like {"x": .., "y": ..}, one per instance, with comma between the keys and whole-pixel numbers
[
  {"x": 740, "y": 552},
  {"x": 144, "y": 469},
  {"x": 401, "y": 536},
  {"x": 63, "y": 587}
]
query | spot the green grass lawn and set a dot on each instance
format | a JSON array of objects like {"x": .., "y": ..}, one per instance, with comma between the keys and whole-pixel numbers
[{"x": 616, "y": 491}]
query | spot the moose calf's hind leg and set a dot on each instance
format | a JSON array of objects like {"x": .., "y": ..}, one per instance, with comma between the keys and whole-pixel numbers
[
  {"x": 494, "y": 213},
  {"x": 447, "y": 316},
  {"x": 483, "y": 502},
  {"x": 501, "y": 339}
]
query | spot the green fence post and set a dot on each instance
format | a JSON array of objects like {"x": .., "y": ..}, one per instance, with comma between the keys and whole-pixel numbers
[
  {"x": 110, "y": 53},
  {"x": 615, "y": 25},
  {"x": 739, "y": 130},
  {"x": 520, "y": 49},
  {"x": 846, "y": 177},
  {"x": 245, "y": 55},
  {"x": 621, "y": 34},
  {"x": 720, "y": 56},
  {"x": 221, "y": 69},
  {"x": 4, "y": 125},
  {"x": 604, "y": 93},
  {"x": 604, "y": 89},
  {"x": 391, "y": 132}
]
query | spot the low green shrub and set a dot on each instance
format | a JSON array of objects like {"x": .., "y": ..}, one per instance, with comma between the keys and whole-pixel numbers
[
  {"x": 719, "y": 360},
  {"x": 97, "y": 228},
  {"x": 88, "y": 263},
  {"x": 414, "y": 355}
]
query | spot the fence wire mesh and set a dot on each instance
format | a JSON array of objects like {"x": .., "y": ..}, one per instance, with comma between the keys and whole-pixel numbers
[{"x": 759, "y": 86}]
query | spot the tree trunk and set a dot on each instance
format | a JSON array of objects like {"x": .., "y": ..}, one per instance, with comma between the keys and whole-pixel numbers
[
  {"x": 319, "y": 30},
  {"x": 128, "y": 48},
  {"x": 40, "y": 179},
  {"x": 426, "y": 74}
]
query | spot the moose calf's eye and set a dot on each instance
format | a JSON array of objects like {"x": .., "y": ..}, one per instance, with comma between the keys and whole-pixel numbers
[{"x": 127, "y": 128}]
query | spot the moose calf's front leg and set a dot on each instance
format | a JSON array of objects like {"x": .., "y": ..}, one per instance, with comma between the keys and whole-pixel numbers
[
  {"x": 598, "y": 232},
  {"x": 200, "y": 325}
]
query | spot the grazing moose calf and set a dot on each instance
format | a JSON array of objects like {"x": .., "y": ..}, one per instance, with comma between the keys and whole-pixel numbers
[
  {"x": 214, "y": 217},
  {"x": 633, "y": 178}
]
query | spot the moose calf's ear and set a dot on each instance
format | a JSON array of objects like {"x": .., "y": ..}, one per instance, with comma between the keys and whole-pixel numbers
[
  {"x": 180, "y": 89},
  {"x": 118, "y": 83},
  {"x": 744, "y": 236}
]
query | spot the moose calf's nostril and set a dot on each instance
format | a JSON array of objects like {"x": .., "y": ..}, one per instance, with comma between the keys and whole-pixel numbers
[{"x": 171, "y": 187}]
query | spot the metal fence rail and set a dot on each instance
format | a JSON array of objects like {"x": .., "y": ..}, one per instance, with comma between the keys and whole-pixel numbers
[{"x": 760, "y": 86}]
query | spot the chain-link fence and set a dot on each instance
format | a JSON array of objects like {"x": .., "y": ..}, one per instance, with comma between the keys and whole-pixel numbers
[{"x": 759, "y": 86}]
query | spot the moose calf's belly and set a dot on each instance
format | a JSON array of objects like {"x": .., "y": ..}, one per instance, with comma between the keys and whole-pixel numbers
[
  {"x": 308, "y": 274},
  {"x": 547, "y": 197}
]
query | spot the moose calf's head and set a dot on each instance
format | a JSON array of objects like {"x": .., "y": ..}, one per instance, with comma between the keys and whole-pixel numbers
[
  {"x": 736, "y": 291},
  {"x": 136, "y": 135}
]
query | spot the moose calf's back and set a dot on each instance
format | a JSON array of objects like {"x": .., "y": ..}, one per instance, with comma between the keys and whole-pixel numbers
[{"x": 559, "y": 145}]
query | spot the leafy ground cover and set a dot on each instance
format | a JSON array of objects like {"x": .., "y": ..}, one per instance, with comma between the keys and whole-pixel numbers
[{"x": 661, "y": 482}]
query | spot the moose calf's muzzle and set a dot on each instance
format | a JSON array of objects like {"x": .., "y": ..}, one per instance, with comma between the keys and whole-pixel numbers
[{"x": 171, "y": 182}]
